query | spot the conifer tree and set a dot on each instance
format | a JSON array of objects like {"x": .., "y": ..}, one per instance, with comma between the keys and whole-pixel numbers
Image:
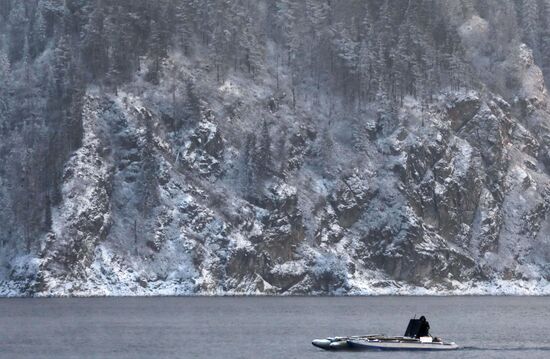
[
  {"x": 113, "y": 74},
  {"x": 5, "y": 79},
  {"x": 148, "y": 177},
  {"x": 183, "y": 26},
  {"x": 38, "y": 34},
  {"x": 401, "y": 61},
  {"x": 94, "y": 50},
  {"x": 367, "y": 57},
  {"x": 249, "y": 168},
  {"x": 192, "y": 108},
  {"x": 545, "y": 36},
  {"x": 529, "y": 12},
  {"x": 27, "y": 62},
  {"x": 5, "y": 67},
  {"x": 384, "y": 26},
  {"x": 62, "y": 64},
  {"x": 157, "y": 51},
  {"x": 326, "y": 150},
  {"x": 251, "y": 48},
  {"x": 17, "y": 31},
  {"x": 286, "y": 22},
  {"x": 264, "y": 155}
]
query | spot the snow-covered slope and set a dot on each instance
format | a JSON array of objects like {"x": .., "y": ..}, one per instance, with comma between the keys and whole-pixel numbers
[{"x": 202, "y": 185}]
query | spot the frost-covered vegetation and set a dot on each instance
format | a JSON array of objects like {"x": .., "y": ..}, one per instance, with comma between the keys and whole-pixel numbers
[{"x": 274, "y": 146}]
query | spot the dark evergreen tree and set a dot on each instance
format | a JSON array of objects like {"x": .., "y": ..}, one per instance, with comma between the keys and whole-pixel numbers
[
  {"x": 148, "y": 182},
  {"x": 38, "y": 33},
  {"x": 94, "y": 51},
  {"x": 183, "y": 25},
  {"x": 251, "y": 47},
  {"x": 249, "y": 166},
  {"x": 5, "y": 83},
  {"x": 62, "y": 65},
  {"x": 27, "y": 65},
  {"x": 17, "y": 31},
  {"x": 529, "y": 20},
  {"x": 157, "y": 51},
  {"x": 264, "y": 157},
  {"x": 192, "y": 108},
  {"x": 5, "y": 67},
  {"x": 326, "y": 149},
  {"x": 545, "y": 36}
]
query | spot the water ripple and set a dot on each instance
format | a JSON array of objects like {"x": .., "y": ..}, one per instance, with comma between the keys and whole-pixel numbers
[{"x": 541, "y": 348}]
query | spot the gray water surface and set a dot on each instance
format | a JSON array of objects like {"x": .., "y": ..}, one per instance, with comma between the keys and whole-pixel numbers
[{"x": 265, "y": 327}]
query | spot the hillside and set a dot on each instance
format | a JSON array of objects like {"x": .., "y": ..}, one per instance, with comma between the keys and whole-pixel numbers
[{"x": 274, "y": 147}]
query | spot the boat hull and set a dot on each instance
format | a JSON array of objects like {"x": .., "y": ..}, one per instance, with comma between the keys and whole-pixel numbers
[
  {"x": 379, "y": 342},
  {"x": 399, "y": 345}
]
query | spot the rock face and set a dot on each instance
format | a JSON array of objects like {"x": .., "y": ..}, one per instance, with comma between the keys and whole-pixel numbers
[
  {"x": 457, "y": 196},
  {"x": 239, "y": 188}
]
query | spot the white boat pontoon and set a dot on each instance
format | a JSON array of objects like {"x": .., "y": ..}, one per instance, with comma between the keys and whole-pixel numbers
[{"x": 416, "y": 337}]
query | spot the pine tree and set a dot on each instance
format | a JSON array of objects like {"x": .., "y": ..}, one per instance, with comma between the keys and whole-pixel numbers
[
  {"x": 183, "y": 27},
  {"x": 62, "y": 64},
  {"x": 17, "y": 31},
  {"x": 38, "y": 33},
  {"x": 456, "y": 71},
  {"x": 5, "y": 79},
  {"x": 249, "y": 170},
  {"x": 5, "y": 68},
  {"x": 317, "y": 13},
  {"x": 384, "y": 25},
  {"x": 205, "y": 19},
  {"x": 192, "y": 108},
  {"x": 380, "y": 78},
  {"x": 414, "y": 87},
  {"x": 326, "y": 150},
  {"x": 53, "y": 8},
  {"x": 529, "y": 13},
  {"x": 345, "y": 46},
  {"x": 286, "y": 23},
  {"x": 282, "y": 156},
  {"x": 223, "y": 41},
  {"x": 93, "y": 44},
  {"x": 252, "y": 48},
  {"x": 148, "y": 177},
  {"x": 157, "y": 51},
  {"x": 121, "y": 51},
  {"x": 359, "y": 135},
  {"x": 545, "y": 36},
  {"x": 27, "y": 62},
  {"x": 364, "y": 67},
  {"x": 264, "y": 156},
  {"x": 366, "y": 58},
  {"x": 429, "y": 84},
  {"x": 401, "y": 61},
  {"x": 113, "y": 74}
]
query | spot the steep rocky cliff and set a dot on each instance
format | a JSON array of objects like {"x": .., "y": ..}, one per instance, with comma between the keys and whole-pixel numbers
[{"x": 192, "y": 183}]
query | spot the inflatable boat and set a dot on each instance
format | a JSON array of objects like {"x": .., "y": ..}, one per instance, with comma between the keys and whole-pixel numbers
[{"x": 416, "y": 338}]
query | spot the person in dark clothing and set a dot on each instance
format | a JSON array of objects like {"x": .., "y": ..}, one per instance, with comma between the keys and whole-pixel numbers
[
  {"x": 424, "y": 330},
  {"x": 418, "y": 328}
]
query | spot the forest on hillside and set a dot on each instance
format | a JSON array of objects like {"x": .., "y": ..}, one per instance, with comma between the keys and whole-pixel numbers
[{"x": 328, "y": 83}]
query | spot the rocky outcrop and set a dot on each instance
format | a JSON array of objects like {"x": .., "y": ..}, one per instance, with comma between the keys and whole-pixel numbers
[{"x": 200, "y": 179}]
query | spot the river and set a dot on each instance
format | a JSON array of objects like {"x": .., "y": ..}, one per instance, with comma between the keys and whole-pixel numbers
[{"x": 265, "y": 327}]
